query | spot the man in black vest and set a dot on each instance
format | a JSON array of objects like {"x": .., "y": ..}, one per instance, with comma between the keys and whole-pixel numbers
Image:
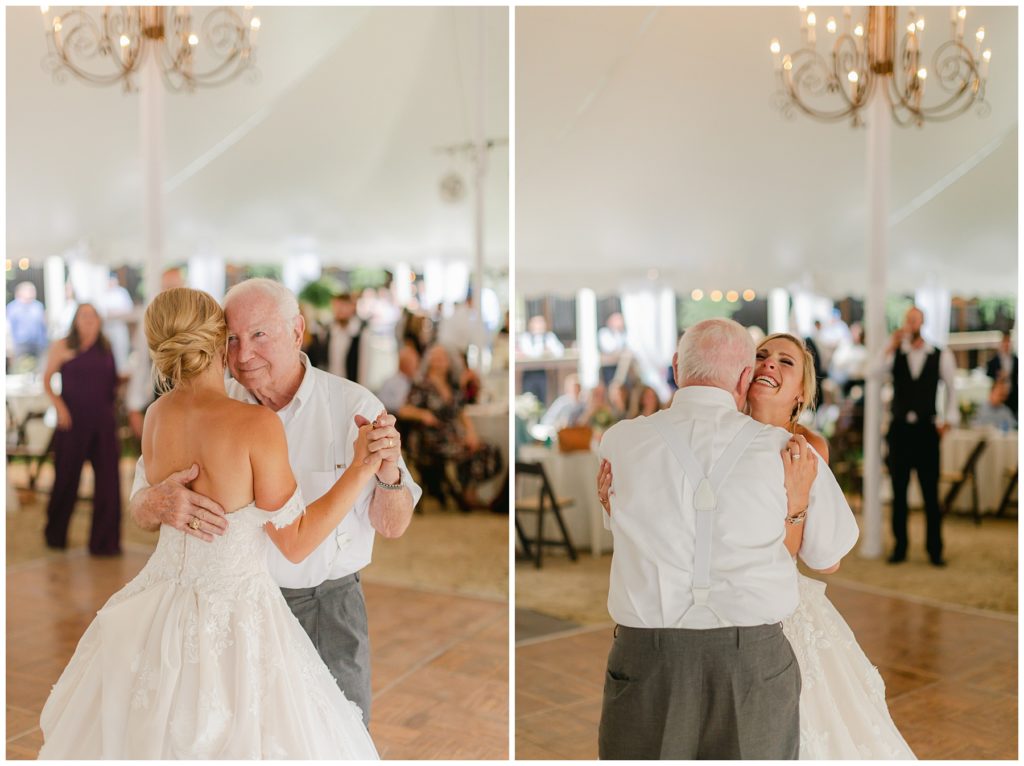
[
  {"x": 916, "y": 428},
  {"x": 344, "y": 338}
]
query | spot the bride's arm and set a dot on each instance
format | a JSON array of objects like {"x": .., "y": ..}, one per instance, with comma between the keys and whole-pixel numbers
[
  {"x": 273, "y": 484},
  {"x": 799, "y": 477}
]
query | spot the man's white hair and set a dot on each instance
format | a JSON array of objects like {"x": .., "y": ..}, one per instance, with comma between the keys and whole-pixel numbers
[
  {"x": 714, "y": 352},
  {"x": 284, "y": 299}
]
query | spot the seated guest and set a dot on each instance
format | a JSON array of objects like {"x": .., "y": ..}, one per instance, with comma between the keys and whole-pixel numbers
[
  {"x": 538, "y": 341},
  {"x": 599, "y": 412},
  {"x": 994, "y": 411},
  {"x": 437, "y": 402},
  {"x": 1004, "y": 366},
  {"x": 644, "y": 401},
  {"x": 618, "y": 400},
  {"x": 568, "y": 409},
  {"x": 394, "y": 391}
]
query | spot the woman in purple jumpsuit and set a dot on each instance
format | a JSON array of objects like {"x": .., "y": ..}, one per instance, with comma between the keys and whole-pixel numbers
[{"x": 86, "y": 430}]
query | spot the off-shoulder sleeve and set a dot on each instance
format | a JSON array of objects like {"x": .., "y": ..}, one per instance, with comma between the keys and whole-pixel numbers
[{"x": 288, "y": 512}]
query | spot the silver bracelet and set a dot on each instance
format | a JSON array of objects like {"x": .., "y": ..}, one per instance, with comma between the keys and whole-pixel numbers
[
  {"x": 798, "y": 519},
  {"x": 385, "y": 485}
]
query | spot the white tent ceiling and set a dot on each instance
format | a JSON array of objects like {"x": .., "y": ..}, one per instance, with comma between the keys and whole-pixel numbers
[
  {"x": 646, "y": 139},
  {"x": 332, "y": 151}
]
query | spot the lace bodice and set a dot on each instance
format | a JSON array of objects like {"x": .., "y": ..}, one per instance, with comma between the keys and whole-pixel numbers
[{"x": 236, "y": 559}]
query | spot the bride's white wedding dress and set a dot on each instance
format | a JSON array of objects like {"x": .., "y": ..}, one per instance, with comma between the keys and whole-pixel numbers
[
  {"x": 843, "y": 714},
  {"x": 200, "y": 657}
]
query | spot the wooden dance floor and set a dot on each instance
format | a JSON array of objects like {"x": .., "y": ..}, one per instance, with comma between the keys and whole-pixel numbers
[
  {"x": 950, "y": 675},
  {"x": 440, "y": 661}
]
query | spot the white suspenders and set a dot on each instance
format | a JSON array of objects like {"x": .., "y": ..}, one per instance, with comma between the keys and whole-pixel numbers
[{"x": 705, "y": 499}]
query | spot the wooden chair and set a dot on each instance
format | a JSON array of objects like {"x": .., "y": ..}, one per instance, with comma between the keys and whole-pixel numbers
[
  {"x": 959, "y": 478},
  {"x": 544, "y": 502}
]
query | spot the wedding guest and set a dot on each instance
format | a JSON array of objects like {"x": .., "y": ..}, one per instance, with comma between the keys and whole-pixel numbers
[
  {"x": 850, "y": 361},
  {"x": 535, "y": 343},
  {"x": 116, "y": 306},
  {"x": 86, "y": 430},
  {"x": 437, "y": 402},
  {"x": 394, "y": 392},
  {"x": 538, "y": 341},
  {"x": 643, "y": 401},
  {"x": 994, "y": 411},
  {"x": 26, "y": 321},
  {"x": 344, "y": 338},
  {"x": 917, "y": 367},
  {"x": 1004, "y": 365},
  {"x": 618, "y": 400},
  {"x": 611, "y": 339},
  {"x": 567, "y": 409},
  {"x": 599, "y": 413}
]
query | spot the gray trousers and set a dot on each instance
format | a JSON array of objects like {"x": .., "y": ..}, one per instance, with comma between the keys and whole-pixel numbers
[
  {"x": 722, "y": 693},
  {"x": 334, "y": 615}
]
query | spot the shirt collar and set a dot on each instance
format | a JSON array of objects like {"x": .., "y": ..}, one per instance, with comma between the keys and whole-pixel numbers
[
  {"x": 304, "y": 391},
  {"x": 709, "y": 396}
]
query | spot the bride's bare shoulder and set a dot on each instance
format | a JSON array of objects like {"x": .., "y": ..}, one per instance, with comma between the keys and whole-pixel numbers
[{"x": 816, "y": 440}]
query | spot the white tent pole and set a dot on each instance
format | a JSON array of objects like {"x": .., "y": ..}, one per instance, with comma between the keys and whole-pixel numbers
[
  {"x": 877, "y": 186},
  {"x": 481, "y": 169},
  {"x": 151, "y": 118}
]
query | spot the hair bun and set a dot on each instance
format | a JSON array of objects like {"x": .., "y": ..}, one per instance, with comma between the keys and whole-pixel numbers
[{"x": 186, "y": 331}]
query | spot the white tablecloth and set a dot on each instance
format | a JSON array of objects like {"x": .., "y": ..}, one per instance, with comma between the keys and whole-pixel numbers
[
  {"x": 574, "y": 475},
  {"x": 995, "y": 465}
]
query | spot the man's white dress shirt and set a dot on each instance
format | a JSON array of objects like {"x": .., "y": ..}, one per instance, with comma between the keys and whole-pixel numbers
[
  {"x": 653, "y": 520},
  {"x": 339, "y": 341},
  {"x": 320, "y": 435}
]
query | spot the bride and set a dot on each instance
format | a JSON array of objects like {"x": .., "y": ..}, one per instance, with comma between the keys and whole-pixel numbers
[
  {"x": 843, "y": 714},
  {"x": 199, "y": 656}
]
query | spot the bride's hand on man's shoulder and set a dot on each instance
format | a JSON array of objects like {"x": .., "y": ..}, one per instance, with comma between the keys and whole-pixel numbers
[{"x": 604, "y": 486}]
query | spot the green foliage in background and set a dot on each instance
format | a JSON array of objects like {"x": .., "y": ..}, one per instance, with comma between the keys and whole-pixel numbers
[
  {"x": 989, "y": 308},
  {"x": 263, "y": 270},
  {"x": 895, "y": 309},
  {"x": 362, "y": 278},
  {"x": 690, "y": 311},
  {"x": 318, "y": 293}
]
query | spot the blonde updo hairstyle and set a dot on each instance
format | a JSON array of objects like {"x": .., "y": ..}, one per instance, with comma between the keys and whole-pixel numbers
[
  {"x": 186, "y": 332},
  {"x": 809, "y": 384}
]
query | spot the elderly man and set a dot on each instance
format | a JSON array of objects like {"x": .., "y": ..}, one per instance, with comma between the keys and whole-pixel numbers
[
  {"x": 321, "y": 415},
  {"x": 917, "y": 426},
  {"x": 701, "y": 576}
]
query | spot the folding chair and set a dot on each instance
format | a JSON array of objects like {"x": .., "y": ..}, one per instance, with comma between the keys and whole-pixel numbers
[
  {"x": 544, "y": 502},
  {"x": 959, "y": 478}
]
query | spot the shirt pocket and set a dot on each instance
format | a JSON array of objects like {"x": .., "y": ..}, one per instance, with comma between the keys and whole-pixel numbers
[{"x": 319, "y": 484}]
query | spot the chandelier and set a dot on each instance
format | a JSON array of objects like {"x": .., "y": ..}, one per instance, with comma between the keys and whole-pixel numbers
[
  {"x": 113, "y": 47},
  {"x": 865, "y": 58}
]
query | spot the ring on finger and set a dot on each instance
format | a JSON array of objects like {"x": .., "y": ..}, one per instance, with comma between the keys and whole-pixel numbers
[
  {"x": 194, "y": 524},
  {"x": 796, "y": 455}
]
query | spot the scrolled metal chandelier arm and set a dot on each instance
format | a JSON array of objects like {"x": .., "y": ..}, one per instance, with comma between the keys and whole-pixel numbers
[
  {"x": 124, "y": 36},
  {"x": 860, "y": 61},
  {"x": 956, "y": 72}
]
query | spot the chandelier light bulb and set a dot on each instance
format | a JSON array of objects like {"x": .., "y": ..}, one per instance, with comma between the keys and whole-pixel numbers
[
  {"x": 193, "y": 40},
  {"x": 697, "y": 294},
  {"x": 10, "y": 265},
  {"x": 912, "y": 28},
  {"x": 920, "y": 25},
  {"x": 853, "y": 76},
  {"x": 787, "y": 63},
  {"x": 859, "y": 30},
  {"x": 57, "y": 26},
  {"x": 922, "y": 74},
  {"x": 44, "y": 9},
  {"x": 987, "y": 55},
  {"x": 830, "y": 25},
  {"x": 125, "y": 41},
  {"x": 811, "y": 19},
  {"x": 732, "y": 296},
  {"x": 255, "y": 23},
  {"x": 775, "y": 46},
  {"x": 23, "y": 264},
  {"x": 803, "y": 8},
  {"x": 962, "y": 13},
  {"x": 980, "y": 34}
]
